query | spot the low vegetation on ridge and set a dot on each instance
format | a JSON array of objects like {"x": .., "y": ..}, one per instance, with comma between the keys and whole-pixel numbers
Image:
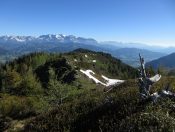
[{"x": 47, "y": 92}]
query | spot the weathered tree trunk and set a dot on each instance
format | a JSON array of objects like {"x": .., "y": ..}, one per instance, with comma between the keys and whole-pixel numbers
[{"x": 145, "y": 84}]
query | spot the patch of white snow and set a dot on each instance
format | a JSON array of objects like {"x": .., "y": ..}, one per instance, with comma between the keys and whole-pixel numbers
[
  {"x": 155, "y": 78},
  {"x": 94, "y": 61},
  {"x": 88, "y": 73},
  {"x": 111, "y": 82}
]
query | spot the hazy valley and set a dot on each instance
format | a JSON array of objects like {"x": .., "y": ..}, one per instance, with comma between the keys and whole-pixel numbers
[{"x": 14, "y": 46}]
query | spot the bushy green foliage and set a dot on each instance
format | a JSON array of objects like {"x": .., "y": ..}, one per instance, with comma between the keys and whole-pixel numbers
[
  {"x": 29, "y": 85},
  {"x": 120, "y": 110},
  {"x": 63, "y": 71},
  {"x": 88, "y": 112},
  {"x": 16, "y": 107},
  {"x": 12, "y": 79},
  {"x": 48, "y": 92},
  {"x": 57, "y": 91},
  {"x": 23, "y": 95}
]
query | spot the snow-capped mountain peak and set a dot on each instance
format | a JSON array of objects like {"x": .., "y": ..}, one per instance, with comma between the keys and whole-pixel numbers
[{"x": 58, "y": 38}]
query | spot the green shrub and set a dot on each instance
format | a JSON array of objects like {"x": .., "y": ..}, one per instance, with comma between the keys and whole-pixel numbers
[{"x": 19, "y": 107}]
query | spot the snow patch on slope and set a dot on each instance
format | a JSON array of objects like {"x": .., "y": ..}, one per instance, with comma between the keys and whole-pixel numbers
[
  {"x": 155, "y": 78},
  {"x": 88, "y": 73},
  {"x": 94, "y": 61},
  {"x": 112, "y": 81},
  {"x": 109, "y": 82}
]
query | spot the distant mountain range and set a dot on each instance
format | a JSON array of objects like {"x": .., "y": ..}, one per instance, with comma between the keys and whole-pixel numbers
[
  {"x": 166, "y": 50},
  {"x": 46, "y": 38},
  {"x": 16, "y": 41},
  {"x": 17, "y": 45},
  {"x": 166, "y": 62}
]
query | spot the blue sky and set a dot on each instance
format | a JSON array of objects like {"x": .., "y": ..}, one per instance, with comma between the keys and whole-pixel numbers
[{"x": 144, "y": 21}]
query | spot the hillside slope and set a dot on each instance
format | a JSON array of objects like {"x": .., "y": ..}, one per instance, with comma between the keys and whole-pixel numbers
[
  {"x": 48, "y": 92},
  {"x": 120, "y": 110},
  {"x": 166, "y": 62},
  {"x": 35, "y": 83},
  {"x": 101, "y": 63}
]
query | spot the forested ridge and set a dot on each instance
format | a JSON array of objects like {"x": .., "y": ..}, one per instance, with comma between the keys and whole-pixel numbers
[
  {"x": 35, "y": 83},
  {"x": 47, "y": 92}
]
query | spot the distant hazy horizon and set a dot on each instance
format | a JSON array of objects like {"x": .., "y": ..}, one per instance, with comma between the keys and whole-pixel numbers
[
  {"x": 149, "y": 22},
  {"x": 101, "y": 42}
]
